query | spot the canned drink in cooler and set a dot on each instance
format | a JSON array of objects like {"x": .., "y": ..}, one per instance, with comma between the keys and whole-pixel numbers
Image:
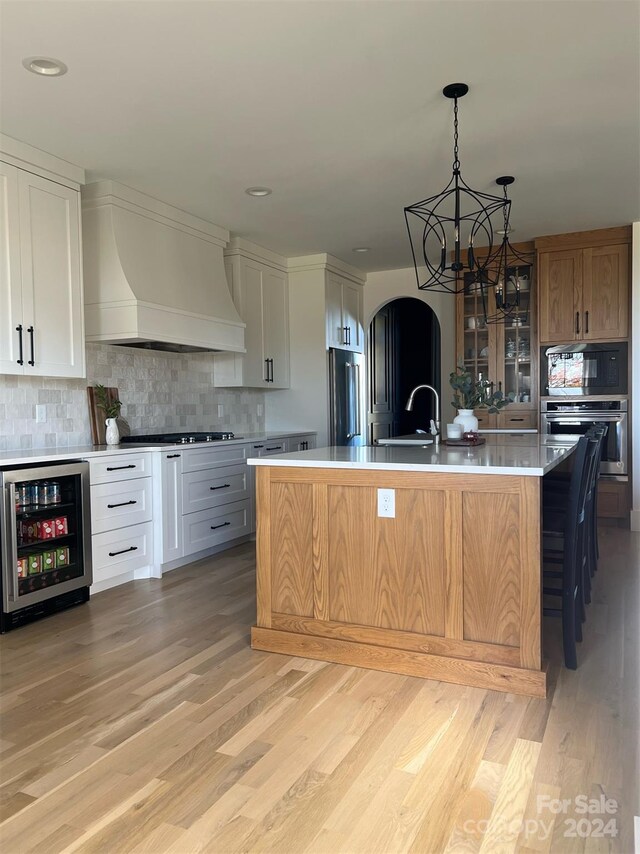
[
  {"x": 53, "y": 492},
  {"x": 62, "y": 556},
  {"x": 40, "y": 492},
  {"x": 23, "y": 495},
  {"x": 48, "y": 561},
  {"x": 35, "y": 564}
]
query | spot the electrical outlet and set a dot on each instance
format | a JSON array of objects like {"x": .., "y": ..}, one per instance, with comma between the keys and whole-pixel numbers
[
  {"x": 387, "y": 503},
  {"x": 41, "y": 413},
  {"x": 259, "y": 410},
  {"x": 220, "y": 410}
]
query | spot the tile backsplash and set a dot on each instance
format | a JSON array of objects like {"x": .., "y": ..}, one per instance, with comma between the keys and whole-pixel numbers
[{"x": 159, "y": 391}]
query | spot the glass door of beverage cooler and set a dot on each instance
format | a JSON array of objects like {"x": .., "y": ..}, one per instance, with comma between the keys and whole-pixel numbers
[{"x": 45, "y": 533}]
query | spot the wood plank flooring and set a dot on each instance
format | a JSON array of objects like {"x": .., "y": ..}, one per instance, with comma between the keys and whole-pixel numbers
[{"x": 143, "y": 722}]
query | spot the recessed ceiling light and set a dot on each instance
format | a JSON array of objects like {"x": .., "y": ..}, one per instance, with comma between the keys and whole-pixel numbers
[
  {"x": 258, "y": 191},
  {"x": 361, "y": 249},
  {"x": 45, "y": 65}
]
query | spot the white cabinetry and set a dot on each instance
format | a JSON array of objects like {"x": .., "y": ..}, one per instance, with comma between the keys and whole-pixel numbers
[
  {"x": 41, "y": 308},
  {"x": 260, "y": 290},
  {"x": 121, "y": 519},
  {"x": 206, "y": 500},
  {"x": 345, "y": 328}
]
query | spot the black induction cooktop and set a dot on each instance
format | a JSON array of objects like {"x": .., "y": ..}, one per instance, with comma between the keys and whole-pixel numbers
[{"x": 190, "y": 438}]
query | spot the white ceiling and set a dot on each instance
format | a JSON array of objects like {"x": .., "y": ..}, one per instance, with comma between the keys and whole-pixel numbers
[{"x": 337, "y": 106}]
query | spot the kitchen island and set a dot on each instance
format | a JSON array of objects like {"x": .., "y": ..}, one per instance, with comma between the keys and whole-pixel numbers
[{"x": 448, "y": 587}]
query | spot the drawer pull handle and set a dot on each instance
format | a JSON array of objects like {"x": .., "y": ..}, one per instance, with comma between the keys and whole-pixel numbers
[
  {"x": 172, "y": 456},
  {"x": 224, "y": 525},
  {"x": 119, "y": 468},
  {"x": 275, "y": 448},
  {"x": 258, "y": 446},
  {"x": 516, "y": 419},
  {"x": 121, "y": 504},
  {"x": 124, "y": 551},
  {"x": 224, "y": 486}
]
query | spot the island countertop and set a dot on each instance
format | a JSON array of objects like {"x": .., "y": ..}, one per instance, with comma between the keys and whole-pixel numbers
[{"x": 518, "y": 454}]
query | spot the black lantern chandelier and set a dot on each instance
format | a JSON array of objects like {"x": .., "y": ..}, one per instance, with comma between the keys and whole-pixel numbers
[
  {"x": 443, "y": 229},
  {"x": 506, "y": 272}
]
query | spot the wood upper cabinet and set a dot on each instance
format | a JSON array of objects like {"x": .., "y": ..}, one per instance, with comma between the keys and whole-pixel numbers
[
  {"x": 41, "y": 305},
  {"x": 584, "y": 290}
]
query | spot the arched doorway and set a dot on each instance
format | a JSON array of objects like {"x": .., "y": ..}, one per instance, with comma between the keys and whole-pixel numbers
[{"x": 403, "y": 352}]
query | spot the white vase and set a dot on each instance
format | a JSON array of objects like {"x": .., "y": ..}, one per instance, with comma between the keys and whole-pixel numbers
[
  {"x": 112, "y": 434},
  {"x": 467, "y": 420}
]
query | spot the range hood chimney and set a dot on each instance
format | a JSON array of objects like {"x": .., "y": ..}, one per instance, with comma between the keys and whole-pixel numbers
[{"x": 154, "y": 275}]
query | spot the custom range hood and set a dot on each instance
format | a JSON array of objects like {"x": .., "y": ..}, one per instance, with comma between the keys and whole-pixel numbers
[{"x": 154, "y": 276}]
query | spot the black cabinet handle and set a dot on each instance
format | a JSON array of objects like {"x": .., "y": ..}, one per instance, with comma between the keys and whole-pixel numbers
[
  {"x": 275, "y": 448},
  {"x": 224, "y": 525},
  {"x": 344, "y": 335},
  {"x": 124, "y": 551},
  {"x": 256, "y": 447},
  {"x": 224, "y": 486},
  {"x": 172, "y": 456},
  {"x": 270, "y": 374},
  {"x": 32, "y": 360},
  {"x": 349, "y": 336},
  {"x": 121, "y": 504},
  {"x": 586, "y": 320},
  {"x": 516, "y": 419},
  {"x": 577, "y": 322},
  {"x": 266, "y": 362},
  {"x": 118, "y": 468},
  {"x": 20, "y": 359}
]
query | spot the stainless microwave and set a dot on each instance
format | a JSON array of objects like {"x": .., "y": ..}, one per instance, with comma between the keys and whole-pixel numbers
[{"x": 574, "y": 370}]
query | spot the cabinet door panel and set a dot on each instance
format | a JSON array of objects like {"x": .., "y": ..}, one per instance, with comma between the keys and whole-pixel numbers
[
  {"x": 275, "y": 306},
  {"x": 335, "y": 323},
  {"x": 10, "y": 282},
  {"x": 606, "y": 292},
  {"x": 51, "y": 277},
  {"x": 251, "y": 312},
  {"x": 560, "y": 283},
  {"x": 352, "y": 316}
]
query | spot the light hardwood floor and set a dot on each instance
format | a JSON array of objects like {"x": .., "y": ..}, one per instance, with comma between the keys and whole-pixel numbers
[{"x": 143, "y": 722}]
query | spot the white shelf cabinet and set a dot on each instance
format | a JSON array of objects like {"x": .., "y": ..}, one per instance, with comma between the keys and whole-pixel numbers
[
  {"x": 260, "y": 291},
  {"x": 345, "y": 328},
  {"x": 41, "y": 307}
]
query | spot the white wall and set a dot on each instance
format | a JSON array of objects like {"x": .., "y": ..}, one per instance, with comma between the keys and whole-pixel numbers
[
  {"x": 635, "y": 376},
  {"x": 388, "y": 285}
]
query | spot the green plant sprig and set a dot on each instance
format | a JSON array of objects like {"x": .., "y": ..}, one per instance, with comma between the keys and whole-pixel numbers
[
  {"x": 476, "y": 394},
  {"x": 111, "y": 408}
]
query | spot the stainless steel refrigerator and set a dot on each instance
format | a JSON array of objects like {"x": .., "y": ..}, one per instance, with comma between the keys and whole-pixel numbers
[{"x": 345, "y": 398}]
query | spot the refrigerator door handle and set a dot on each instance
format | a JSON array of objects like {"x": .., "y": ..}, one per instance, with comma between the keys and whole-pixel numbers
[{"x": 354, "y": 401}]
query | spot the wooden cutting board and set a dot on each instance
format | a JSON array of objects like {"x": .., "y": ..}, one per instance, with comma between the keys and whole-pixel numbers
[{"x": 97, "y": 417}]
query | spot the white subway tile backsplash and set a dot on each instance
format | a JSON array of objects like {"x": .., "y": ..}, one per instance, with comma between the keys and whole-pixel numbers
[{"x": 159, "y": 391}]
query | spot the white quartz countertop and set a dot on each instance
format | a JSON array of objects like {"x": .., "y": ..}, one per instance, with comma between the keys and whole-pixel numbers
[
  {"x": 85, "y": 452},
  {"x": 522, "y": 454}
]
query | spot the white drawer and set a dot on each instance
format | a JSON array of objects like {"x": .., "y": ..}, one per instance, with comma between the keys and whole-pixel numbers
[
  {"x": 119, "y": 467},
  {"x": 121, "y": 551},
  {"x": 114, "y": 505},
  {"x": 202, "y": 490},
  {"x": 212, "y": 527},
  {"x": 194, "y": 459}
]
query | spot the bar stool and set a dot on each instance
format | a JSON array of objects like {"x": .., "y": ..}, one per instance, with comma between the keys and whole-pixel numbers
[{"x": 571, "y": 527}]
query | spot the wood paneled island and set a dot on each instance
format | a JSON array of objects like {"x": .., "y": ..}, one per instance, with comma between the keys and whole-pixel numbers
[{"x": 448, "y": 589}]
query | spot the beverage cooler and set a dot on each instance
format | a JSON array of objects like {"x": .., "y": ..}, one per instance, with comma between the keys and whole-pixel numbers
[{"x": 45, "y": 540}]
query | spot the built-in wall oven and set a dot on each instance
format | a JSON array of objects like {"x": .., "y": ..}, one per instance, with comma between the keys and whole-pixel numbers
[
  {"x": 560, "y": 417},
  {"x": 45, "y": 540}
]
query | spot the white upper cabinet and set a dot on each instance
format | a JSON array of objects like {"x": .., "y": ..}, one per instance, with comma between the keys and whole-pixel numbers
[
  {"x": 345, "y": 328},
  {"x": 41, "y": 305},
  {"x": 260, "y": 291}
]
